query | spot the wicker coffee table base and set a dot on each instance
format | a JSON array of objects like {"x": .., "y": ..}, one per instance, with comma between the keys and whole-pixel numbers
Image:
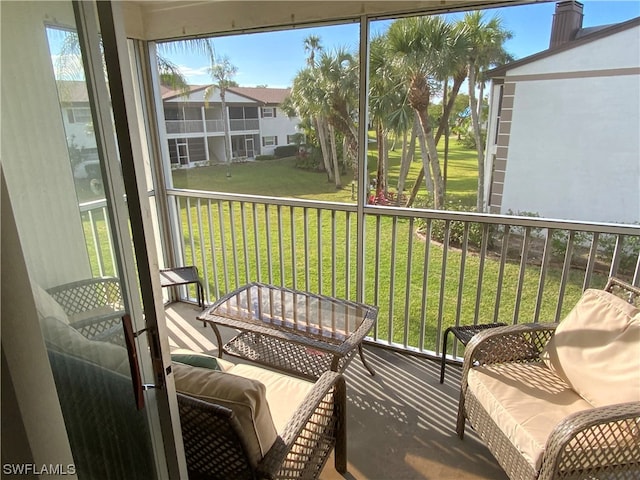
[{"x": 286, "y": 356}]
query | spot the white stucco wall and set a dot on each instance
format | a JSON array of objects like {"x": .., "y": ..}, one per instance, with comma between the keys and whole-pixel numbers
[
  {"x": 34, "y": 151},
  {"x": 280, "y": 126},
  {"x": 574, "y": 148}
]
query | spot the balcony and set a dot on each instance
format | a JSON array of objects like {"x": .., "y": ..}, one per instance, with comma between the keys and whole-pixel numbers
[{"x": 403, "y": 412}]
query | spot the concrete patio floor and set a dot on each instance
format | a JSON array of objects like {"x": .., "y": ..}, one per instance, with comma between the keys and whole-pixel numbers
[{"x": 400, "y": 422}]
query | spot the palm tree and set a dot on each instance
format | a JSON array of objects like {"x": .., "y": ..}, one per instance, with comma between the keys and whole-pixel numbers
[
  {"x": 384, "y": 96},
  {"x": 222, "y": 73},
  {"x": 312, "y": 45},
  {"x": 422, "y": 47},
  {"x": 485, "y": 48},
  {"x": 453, "y": 66},
  {"x": 337, "y": 76},
  {"x": 306, "y": 101}
]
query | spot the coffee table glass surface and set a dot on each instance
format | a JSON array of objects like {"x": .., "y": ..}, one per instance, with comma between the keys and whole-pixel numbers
[{"x": 292, "y": 330}]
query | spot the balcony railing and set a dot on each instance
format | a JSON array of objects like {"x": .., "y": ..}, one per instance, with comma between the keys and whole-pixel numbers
[
  {"x": 215, "y": 125},
  {"x": 244, "y": 124},
  {"x": 475, "y": 269},
  {"x": 184, "y": 126}
]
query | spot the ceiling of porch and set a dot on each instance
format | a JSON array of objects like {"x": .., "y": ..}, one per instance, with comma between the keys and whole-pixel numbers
[{"x": 158, "y": 20}]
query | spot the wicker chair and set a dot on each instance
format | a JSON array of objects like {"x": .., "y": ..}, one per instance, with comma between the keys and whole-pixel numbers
[
  {"x": 215, "y": 448},
  {"x": 602, "y": 442},
  {"x": 94, "y": 307}
]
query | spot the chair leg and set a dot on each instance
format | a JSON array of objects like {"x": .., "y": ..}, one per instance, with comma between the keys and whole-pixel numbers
[{"x": 461, "y": 418}]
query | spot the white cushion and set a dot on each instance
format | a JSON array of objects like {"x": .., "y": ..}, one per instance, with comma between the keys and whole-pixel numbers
[
  {"x": 596, "y": 349},
  {"x": 46, "y": 305},
  {"x": 245, "y": 396},
  {"x": 526, "y": 401},
  {"x": 63, "y": 338},
  {"x": 284, "y": 393}
]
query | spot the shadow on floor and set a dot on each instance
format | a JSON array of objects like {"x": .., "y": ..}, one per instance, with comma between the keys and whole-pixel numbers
[{"x": 401, "y": 422}]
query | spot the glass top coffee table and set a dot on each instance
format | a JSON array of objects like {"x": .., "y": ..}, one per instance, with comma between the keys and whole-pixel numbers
[{"x": 293, "y": 331}]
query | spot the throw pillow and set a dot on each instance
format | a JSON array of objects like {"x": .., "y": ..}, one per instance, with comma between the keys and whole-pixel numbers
[
  {"x": 196, "y": 359},
  {"x": 596, "y": 349}
]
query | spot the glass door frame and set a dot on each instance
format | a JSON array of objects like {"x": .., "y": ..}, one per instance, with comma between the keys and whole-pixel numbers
[{"x": 124, "y": 176}]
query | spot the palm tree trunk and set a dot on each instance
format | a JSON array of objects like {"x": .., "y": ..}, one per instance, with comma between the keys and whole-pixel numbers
[
  {"x": 473, "y": 106},
  {"x": 334, "y": 154},
  {"x": 380, "y": 173},
  {"x": 406, "y": 161},
  {"x": 326, "y": 155},
  {"x": 225, "y": 121},
  {"x": 438, "y": 194},
  {"x": 458, "y": 79},
  {"x": 424, "y": 155}
]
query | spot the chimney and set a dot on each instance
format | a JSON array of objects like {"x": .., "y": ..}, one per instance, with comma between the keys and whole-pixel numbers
[{"x": 566, "y": 22}]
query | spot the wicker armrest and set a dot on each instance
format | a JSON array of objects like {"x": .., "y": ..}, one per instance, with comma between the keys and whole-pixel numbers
[
  {"x": 313, "y": 430},
  {"x": 512, "y": 343},
  {"x": 599, "y": 439}
]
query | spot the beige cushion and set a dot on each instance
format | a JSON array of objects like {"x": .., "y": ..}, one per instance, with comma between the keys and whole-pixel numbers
[
  {"x": 596, "y": 349},
  {"x": 284, "y": 393},
  {"x": 63, "y": 338},
  {"x": 526, "y": 400},
  {"x": 245, "y": 396},
  {"x": 46, "y": 305}
]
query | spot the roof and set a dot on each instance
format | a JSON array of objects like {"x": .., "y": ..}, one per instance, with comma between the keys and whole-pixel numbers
[
  {"x": 584, "y": 36},
  {"x": 268, "y": 96},
  {"x": 166, "y": 92},
  {"x": 72, "y": 91}
]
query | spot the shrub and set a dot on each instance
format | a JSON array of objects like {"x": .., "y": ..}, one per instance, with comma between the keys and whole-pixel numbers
[
  {"x": 266, "y": 157},
  {"x": 285, "y": 151},
  {"x": 456, "y": 228}
]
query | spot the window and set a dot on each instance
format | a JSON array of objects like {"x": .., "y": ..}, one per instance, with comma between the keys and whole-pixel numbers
[
  {"x": 269, "y": 141},
  {"x": 268, "y": 112},
  {"x": 292, "y": 138},
  {"x": 79, "y": 115}
]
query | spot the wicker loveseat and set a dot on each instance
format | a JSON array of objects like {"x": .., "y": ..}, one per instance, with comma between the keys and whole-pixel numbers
[{"x": 560, "y": 400}]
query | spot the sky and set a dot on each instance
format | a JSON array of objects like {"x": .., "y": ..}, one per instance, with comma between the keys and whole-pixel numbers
[{"x": 274, "y": 58}]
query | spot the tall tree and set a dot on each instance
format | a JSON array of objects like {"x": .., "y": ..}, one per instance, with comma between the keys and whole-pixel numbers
[
  {"x": 423, "y": 47},
  {"x": 388, "y": 107},
  {"x": 312, "y": 45},
  {"x": 222, "y": 73},
  {"x": 485, "y": 48},
  {"x": 454, "y": 67}
]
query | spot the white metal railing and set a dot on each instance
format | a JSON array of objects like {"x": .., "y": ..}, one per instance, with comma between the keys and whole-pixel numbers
[
  {"x": 245, "y": 124},
  {"x": 97, "y": 232},
  {"x": 215, "y": 125},
  {"x": 476, "y": 269},
  {"x": 184, "y": 126}
]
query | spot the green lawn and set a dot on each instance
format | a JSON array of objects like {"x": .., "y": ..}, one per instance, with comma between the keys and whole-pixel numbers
[
  {"x": 280, "y": 178},
  {"x": 237, "y": 249}
]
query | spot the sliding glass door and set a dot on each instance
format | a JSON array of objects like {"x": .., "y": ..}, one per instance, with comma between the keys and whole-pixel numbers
[{"x": 82, "y": 232}]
